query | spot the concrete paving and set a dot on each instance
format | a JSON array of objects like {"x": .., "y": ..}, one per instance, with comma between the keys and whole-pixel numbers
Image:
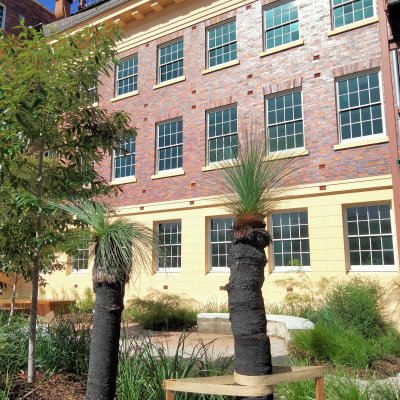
[{"x": 220, "y": 345}]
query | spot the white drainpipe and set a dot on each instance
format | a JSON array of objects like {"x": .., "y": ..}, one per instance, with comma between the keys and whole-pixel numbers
[{"x": 396, "y": 80}]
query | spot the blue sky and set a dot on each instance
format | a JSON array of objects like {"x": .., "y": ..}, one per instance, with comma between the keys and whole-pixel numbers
[{"x": 50, "y": 4}]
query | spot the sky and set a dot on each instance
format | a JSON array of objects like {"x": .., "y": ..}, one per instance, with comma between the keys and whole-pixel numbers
[{"x": 50, "y": 4}]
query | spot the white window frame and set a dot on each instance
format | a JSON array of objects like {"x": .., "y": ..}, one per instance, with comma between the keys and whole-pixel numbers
[
  {"x": 280, "y": 94},
  {"x": 166, "y": 171},
  {"x": 3, "y": 22},
  {"x": 338, "y": 110},
  {"x": 166, "y": 44},
  {"x": 305, "y": 268},
  {"x": 209, "y": 244},
  {"x": 210, "y": 28},
  {"x": 208, "y": 112},
  {"x": 372, "y": 268},
  {"x": 135, "y": 56},
  {"x": 113, "y": 165},
  {"x": 172, "y": 269},
  {"x": 86, "y": 260}
]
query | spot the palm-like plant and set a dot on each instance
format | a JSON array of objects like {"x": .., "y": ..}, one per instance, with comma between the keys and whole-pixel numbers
[
  {"x": 117, "y": 245},
  {"x": 253, "y": 183}
]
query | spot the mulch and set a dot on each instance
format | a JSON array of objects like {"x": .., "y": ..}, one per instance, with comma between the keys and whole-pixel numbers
[{"x": 48, "y": 387}]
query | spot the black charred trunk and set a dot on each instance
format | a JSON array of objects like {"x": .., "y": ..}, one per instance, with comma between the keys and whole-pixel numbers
[
  {"x": 104, "y": 347},
  {"x": 247, "y": 263}
]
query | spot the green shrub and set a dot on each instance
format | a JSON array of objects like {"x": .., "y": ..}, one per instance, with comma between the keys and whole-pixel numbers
[
  {"x": 356, "y": 304},
  {"x": 144, "y": 365},
  {"x": 64, "y": 346},
  {"x": 84, "y": 305},
  {"x": 13, "y": 343},
  {"x": 162, "y": 311}
]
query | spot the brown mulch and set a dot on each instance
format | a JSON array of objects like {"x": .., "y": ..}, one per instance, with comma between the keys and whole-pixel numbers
[
  {"x": 54, "y": 387},
  {"x": 386, "y": 367}
]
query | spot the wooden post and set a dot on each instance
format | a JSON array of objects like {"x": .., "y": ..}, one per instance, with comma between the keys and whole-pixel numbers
[
  {"x": 169, "y": 395},
  {"x": 319, "y": 389}
]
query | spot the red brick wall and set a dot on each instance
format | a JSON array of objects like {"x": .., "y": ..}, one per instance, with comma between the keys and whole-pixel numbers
[
  {"x": 246, "y": 84},
  {"x": 33, "y": 13}
]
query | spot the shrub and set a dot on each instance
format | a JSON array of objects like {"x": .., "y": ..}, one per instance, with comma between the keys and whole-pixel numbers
[
  {"x": 64, "y": 346},
  {"x": 84, "y": 305},
  {"x": 13, "y": 343},
  {"x": 162, "y": 311},
  {"x": 144, "y": 365},
  {"x": 356, "y": 304}
]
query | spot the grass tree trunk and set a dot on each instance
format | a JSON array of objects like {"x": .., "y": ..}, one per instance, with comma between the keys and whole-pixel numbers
[
  {"x": 247, "y": 263},
  {"x": 104, "y": 347}
]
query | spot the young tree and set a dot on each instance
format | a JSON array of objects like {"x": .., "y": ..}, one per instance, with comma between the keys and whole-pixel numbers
[
  {"x": 49, "y": 127},
  {"x": 118, "y": 246},
  {"x": 252, "y": 183}
]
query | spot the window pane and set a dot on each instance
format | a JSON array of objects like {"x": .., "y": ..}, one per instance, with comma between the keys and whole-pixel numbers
[
  {"x": 290, "y": 251},
  {"x": 170, "y": 61},
  {"x": 349, "y": 11},
  {"x": 169, "y": 238},
  {"x": 169, "y": 144},
  {"x": 220, "y": 239}
]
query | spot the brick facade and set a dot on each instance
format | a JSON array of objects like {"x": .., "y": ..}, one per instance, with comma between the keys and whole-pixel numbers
[
  {"x": 33, "y": 13},
  {"x": 312, "y": 66}
]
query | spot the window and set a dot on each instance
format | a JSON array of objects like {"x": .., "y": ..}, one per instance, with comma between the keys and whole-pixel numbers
[
  {"x": 80, "y": 260},
  {"x": 169, "y": 145},
  {"x": 2, "y": 16},
  {"x": 370, "y": 236},
  {"x": 285, "y": 122},
  {"x": 222, "y": 134},
  {"x": 348, "y": 11},
  {"x": 222, "y": 46},
  {"x": 124, "y": 159},
  {"x": 290, "y": 240},
  {"x": 170, "y": 61},
  {"x": 360, "y": 106},
  {"x": 281, "y": 24},
  {"x": 169, "y": 238},
  {"x": 127, "y": 76},
  {"x": 220, "y": 242}
]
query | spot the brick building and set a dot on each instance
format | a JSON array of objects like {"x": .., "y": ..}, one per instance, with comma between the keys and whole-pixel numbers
[
  {"x": 317, "y": 77},
  {"x": 34, "y": 13}
]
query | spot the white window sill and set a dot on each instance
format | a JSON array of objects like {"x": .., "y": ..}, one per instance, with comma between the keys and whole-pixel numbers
[
  {"x": 291, "y": 269},
  {"x": 170, "y": 82},
  {"x": 354, "y": 25},
  {"x": 168, "y": 174},
  {"x": 218, "y": 165},
  {"x": 287, "y": 154},
  {"x": 169, "y": 270},
  {"x": 361, "y": 142},
  {"x": 124, "y": 96},
  {"x": 123, "y": 181},
  {"x": 220, "y": 66},
  {"x": 220, "y": 270},
  {"x": 79, "y": 272},
  {"x": 374, "y": 268},
  {"x": 283, "y": 47}
]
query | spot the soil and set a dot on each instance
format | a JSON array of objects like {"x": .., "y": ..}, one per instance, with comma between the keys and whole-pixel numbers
[
  {"x": 72, "y": 387},
  {"x": 57, "y": 386}
]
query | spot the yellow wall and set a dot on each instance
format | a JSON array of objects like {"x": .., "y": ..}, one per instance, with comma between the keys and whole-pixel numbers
[{"x": 326, "y": 234}]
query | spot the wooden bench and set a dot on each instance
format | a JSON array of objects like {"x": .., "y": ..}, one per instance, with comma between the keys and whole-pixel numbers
[{"x": 254, "y": 386}]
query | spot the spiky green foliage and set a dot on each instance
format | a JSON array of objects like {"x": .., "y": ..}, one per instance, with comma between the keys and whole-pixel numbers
[
  {"x": 253, "y": 181},
  {"x": 116, "y": 243}
]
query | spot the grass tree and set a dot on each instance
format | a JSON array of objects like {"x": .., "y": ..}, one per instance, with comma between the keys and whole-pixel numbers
[
  {"x": 119, "y": 247},
  {"x": 252, "y": 183}
]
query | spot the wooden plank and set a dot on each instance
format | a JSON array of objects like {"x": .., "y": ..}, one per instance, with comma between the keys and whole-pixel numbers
[
  {"x": 319, "y": 389},
  {"x": 137, "y": 15},
  {"x": 169, "y": 395},
  {"x": 278, "y": 377},
  {"x": 182, "y": 385},
  {"x": 156, "y": 6}
]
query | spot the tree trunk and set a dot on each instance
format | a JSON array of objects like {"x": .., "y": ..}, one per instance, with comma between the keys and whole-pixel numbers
[
  {"x": 35, "y": 273},
  {"x": 247, "y": 262},
  {"x": 13, "y": 297},
  {"x": 104, "y": 347}
]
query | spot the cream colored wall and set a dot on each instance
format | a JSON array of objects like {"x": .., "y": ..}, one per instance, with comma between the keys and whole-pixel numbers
[{"x": 326, "y": 234}]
